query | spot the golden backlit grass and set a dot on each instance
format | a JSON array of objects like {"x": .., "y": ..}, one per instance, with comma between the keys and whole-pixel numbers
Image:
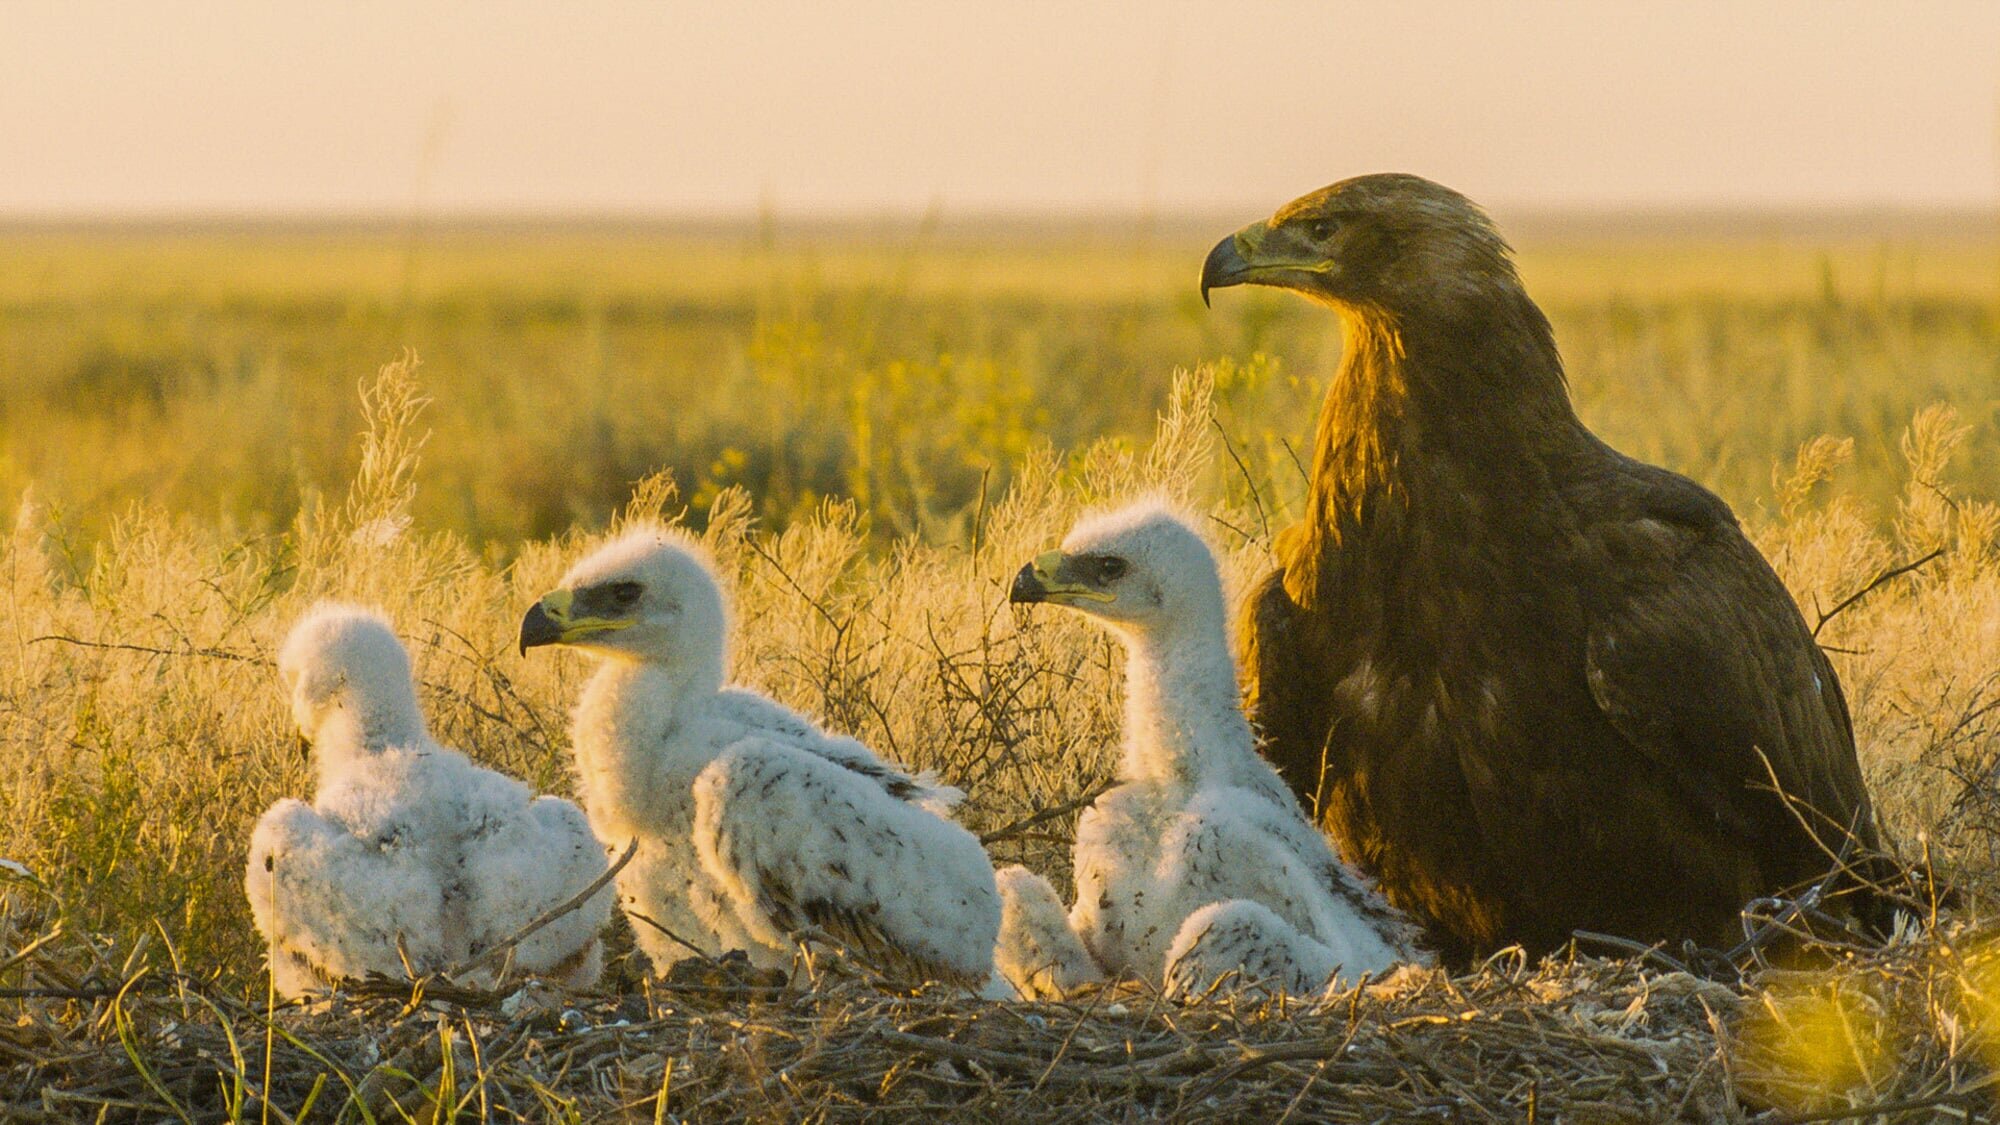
[
  {"x": 871, "y": 460},
  {"x": 143, "y": 731}
]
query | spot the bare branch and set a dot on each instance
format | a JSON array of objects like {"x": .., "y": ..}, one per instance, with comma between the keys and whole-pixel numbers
[{"x": 1886, "y": 576}]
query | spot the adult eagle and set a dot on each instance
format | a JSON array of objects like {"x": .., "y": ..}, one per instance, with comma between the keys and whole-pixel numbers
[{"x": 1531, "y": 684}]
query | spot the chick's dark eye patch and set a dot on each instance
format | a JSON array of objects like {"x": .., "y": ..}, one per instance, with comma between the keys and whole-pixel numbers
[{"x": 608, "y": 599}]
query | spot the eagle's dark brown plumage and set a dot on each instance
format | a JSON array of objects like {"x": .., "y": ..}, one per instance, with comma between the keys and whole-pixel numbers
[{"x": 1528, "y": 682}]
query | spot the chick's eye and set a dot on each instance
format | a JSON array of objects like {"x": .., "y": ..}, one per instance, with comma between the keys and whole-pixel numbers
[
  {"x": 625, "y": 593},
  {"x": 1110, "y": 569}
]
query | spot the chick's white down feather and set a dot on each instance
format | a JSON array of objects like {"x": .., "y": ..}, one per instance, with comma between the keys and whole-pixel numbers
[
  {"x": 1199, "y": 865},
  {"x": 1038, "y": 953},
  {"x": 756, "y": 828},
  {"x": 408, "y": 849}
]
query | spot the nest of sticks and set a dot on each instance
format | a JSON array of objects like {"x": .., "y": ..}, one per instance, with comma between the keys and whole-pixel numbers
[{"x": 1892, "y": 1034}]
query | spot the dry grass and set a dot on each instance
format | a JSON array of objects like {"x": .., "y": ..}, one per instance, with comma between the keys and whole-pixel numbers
[{"x": 141, "y": 733}]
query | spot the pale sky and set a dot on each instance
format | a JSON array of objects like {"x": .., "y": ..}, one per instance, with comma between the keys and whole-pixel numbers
[{"x": 284, "y": 106}]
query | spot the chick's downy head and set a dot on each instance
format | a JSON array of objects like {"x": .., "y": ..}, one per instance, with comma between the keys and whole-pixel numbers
[
  {"x": 1140, "y": 567},
  {"x": 344, "y": 668},
  {"x": 650, "y": 595}
]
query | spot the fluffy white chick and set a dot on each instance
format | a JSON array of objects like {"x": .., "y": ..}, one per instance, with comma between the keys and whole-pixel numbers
[
  {"x": 408, "y": 849},
  {"x": 1199, "y": 864},
  {"x": 756, "y": 828}
]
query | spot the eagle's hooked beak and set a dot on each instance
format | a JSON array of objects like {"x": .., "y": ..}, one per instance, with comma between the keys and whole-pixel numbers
[
  {"x": 548, "y": 622},
  {"x": 1260, "y": 255},
  {"x": 1227, "y": 264},
  {"x": 1048, "y": 579}
]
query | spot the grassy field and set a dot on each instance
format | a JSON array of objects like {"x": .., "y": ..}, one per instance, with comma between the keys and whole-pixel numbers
[
  {"x": 874, "y": 427},
  {"x": 212, "y": 371}
]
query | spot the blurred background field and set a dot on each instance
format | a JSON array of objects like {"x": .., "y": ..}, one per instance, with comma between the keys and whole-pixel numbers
[{"x": 211, "y": 368}]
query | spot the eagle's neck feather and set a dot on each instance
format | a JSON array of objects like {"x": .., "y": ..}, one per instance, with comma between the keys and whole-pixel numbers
[
  {"x": 1361, "y": 421},
  {"x": 1445, "y": 416}
]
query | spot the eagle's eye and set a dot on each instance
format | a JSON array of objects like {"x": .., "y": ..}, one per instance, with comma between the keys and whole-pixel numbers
[
  {"x": 1319, "y": 230},
  {"x": 624, "y": 594},
  {"x": 1110, "y": 569}
]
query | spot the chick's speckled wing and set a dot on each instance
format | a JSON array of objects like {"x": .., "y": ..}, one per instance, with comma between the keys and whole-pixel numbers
[
  {"x": 799, "y": 843},
  {"x": 758, "y": 715}
]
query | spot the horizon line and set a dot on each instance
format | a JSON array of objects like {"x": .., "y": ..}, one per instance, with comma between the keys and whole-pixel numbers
[{"x": 771, "y": 218}]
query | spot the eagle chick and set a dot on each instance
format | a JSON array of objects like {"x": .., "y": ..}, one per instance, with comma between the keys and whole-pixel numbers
[
  {"x": 1199, "y": 864},
  {"x": 757, "y": 830},
  {"x": 410, "y": 857}
]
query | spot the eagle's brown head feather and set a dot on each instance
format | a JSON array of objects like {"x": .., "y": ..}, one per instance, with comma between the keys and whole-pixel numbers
[
  {"x": 1389, "y": 241},
  {"x": 1446, "y": 361}
]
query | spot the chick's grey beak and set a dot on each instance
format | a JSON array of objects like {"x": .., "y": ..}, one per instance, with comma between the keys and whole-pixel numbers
[
  {"x": 538, "y": 628},
  {"x": 305, "y": 748},
  {"x": 1225, "y": 267},
  {"x": 1028, "y": 587}
]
